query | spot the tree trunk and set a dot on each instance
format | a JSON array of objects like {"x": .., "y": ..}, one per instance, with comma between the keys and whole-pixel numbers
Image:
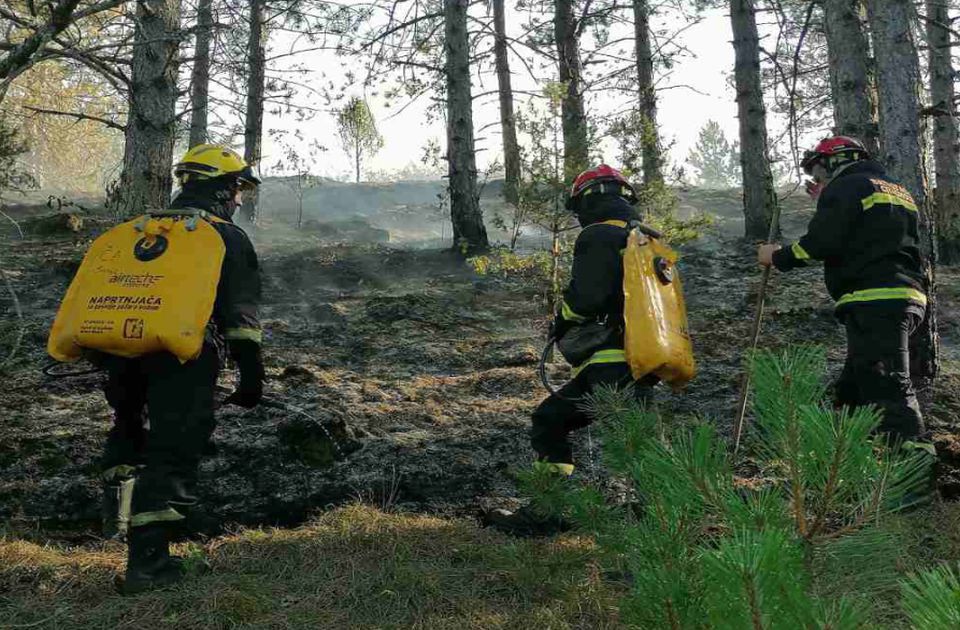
[
  {"x": 469, "y": 233},
  {"x": 851, "y": 76},
  {"x": 356, "y": 155},
  {"x": 650, "y": 140},
  {"x": 508, "y": 124},
  {"x": 759, "y": 196},
  {"x": 575, "y": 150},
  {"x": 945, "y": 138},
  {"x": 151, "y": 122},
  {"x": 253, "y": 129},
  {"x": 200, "y": 78},
  {"x": 901, "y": 150}
]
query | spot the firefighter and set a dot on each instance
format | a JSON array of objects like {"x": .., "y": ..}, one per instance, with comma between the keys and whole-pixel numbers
[
  {"x": 164, "y": 409},
  {"x": 603, "y": 202},
  {"x": 865, "y": 231}
]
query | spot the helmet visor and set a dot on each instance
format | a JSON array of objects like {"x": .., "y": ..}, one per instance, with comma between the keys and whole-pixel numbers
[
  {"x": 810, "y": 158},
  {"x": 249, "y": 177}
]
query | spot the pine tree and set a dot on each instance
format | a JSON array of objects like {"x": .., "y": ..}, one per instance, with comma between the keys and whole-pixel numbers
[
  {"x": 708, "y": 549},
  {"x": 358, "y": 132},
  {"x": 147, "y": 180},
  {"x": 759, "y": 197},
  {"x": 714, "y": 158}
]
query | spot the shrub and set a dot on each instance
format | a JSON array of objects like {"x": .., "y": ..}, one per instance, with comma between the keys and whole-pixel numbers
[{"x": 708, "y": 549}]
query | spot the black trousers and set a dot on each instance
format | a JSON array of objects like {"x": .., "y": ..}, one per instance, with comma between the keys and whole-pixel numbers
[
  {"x": 176, "y": 402},
  {"x": 877, "y": 369},
  {"x": 556, "y": 417}
]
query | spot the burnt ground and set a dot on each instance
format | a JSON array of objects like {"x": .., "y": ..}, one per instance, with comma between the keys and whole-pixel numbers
[{"x": 423, "y": 371}]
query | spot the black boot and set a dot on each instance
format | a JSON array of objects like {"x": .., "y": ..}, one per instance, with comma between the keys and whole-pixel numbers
[
  {"x": 149, "y": 563},
  {"x": 527, "y": 521}
]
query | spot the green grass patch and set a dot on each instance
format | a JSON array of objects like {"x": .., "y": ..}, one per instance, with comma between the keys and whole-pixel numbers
[{"x": 355, "y": 567}]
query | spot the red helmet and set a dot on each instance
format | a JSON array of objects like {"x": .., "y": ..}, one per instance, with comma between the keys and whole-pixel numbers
[
  {"x": 828, "y": 147},
  {"x": 602, "y": 179}
]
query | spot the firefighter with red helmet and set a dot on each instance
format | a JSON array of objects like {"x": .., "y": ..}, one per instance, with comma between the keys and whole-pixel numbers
[
  {"x": 865, "y": 231},
  {"x": 588, "y": 327}
]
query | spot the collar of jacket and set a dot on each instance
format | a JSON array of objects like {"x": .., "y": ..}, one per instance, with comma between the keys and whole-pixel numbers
[
  {"x": 203, "y": 200},
  {"x": 869, "y": 167},
  {"x": 604, "y": 207}
]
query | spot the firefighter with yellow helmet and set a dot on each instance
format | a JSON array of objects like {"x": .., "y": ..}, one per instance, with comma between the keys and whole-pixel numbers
[{"x": 164, "y": 404}]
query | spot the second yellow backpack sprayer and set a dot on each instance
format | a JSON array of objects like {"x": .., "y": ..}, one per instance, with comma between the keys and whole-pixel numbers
[{"x": 656, "y": 337}]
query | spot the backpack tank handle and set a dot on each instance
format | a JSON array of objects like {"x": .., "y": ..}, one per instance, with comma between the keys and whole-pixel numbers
[{"x": 645, "y": 229}]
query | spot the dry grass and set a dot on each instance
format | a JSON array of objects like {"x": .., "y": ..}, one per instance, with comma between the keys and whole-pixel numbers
[{"x": 355, "y": 567}]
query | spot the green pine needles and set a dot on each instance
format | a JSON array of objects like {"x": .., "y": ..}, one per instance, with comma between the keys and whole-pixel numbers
[
  {"x": 932, "y": 599},
  {"x": 799, "y": 544}
]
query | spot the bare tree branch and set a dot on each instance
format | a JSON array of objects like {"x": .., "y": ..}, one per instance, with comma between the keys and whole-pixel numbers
[{"x": 78, "y": 116}]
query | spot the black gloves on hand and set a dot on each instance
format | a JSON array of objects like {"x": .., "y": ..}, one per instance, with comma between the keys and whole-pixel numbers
[
  {"x": 250, "y": 391},
  {"x": 558, "y": 327}
]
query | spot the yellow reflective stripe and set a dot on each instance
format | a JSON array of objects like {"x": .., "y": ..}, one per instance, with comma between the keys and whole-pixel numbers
[
  {"x": 799, "y": 252},
  {"x": 600, "y": 189},
  {"x": 568, "y": 313},
  {"x": 120, "y": 471},
  {"x": 616, "y": 222},
  {"x": 554, "y": 467},
  {"x": 927, "y": 447},
  {"x": 879, "y": 197},
  {"x": 244, "y": 334},
  {"x": 161, "y": 516},
  {"x": 614, "y": 355},
  {"x": 894, "y": 293}
]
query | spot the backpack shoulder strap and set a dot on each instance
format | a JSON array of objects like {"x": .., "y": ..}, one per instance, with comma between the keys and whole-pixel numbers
[{"x": 192, "y": 215}]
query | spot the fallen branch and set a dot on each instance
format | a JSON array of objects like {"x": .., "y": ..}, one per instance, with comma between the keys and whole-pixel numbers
[
  {"x": 22, "y": 328},
  {"x": 12, "y": 220},
  {"x": 16, "y": 303}
]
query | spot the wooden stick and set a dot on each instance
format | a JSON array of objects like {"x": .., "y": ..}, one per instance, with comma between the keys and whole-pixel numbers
[
  {"x": 755, "y": 335},
  {"x": 745, "y": 381}
]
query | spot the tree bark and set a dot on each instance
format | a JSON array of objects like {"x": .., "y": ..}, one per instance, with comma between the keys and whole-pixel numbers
[
  {"x": 575, "y": 149},
  {"x": 945, "y": 137},
  {"x": 851, "y": 75},
  {"x": 357, "y": 150},
  {"x": 469, "y": 233},
  {"x": 650, "y": 140},
  {"x": 200, "y": 78},
  {"x": 256, "y": 85},
  {"x": 508, "y": 124},
  {"x": 901, "y": 148},
  {"x": 898, "y": 79},
  {"x": 151, "y": 128},
  {"x": 759, "y": 196}
]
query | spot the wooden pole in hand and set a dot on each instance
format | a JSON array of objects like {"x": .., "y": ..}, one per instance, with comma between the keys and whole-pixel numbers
[{"x": 755, "y": 335}]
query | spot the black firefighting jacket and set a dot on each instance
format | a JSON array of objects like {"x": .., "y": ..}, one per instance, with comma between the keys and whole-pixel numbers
[
  {"x": 865, "y": 231},
  {"x": 595, "y": 291},
  {"x": 235, "y": 312}
]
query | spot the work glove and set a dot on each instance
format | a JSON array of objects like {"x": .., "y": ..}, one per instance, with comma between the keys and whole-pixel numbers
[
  {"x": 248, "y": 359},
  {"x": 558, "y": 327}
]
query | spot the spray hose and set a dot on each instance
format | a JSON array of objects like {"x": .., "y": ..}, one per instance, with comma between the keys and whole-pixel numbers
[
  {"x": 542, "y": 372},
  {"x": 52, "y": 371},
  {"x": 542, "y": 367}
]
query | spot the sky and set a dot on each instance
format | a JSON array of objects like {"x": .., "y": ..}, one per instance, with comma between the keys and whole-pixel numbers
[{"x": 682, "y": 111}]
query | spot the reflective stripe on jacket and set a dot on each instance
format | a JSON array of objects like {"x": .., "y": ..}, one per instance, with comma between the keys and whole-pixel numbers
[{"x": 865, "y": 231}]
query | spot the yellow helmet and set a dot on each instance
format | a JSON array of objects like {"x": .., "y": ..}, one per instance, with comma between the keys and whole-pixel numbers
[{"x": 207, "y": 161}]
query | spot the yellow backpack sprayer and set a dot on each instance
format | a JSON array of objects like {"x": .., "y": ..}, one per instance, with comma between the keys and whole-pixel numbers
[{"x": 656, "y": 337}]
